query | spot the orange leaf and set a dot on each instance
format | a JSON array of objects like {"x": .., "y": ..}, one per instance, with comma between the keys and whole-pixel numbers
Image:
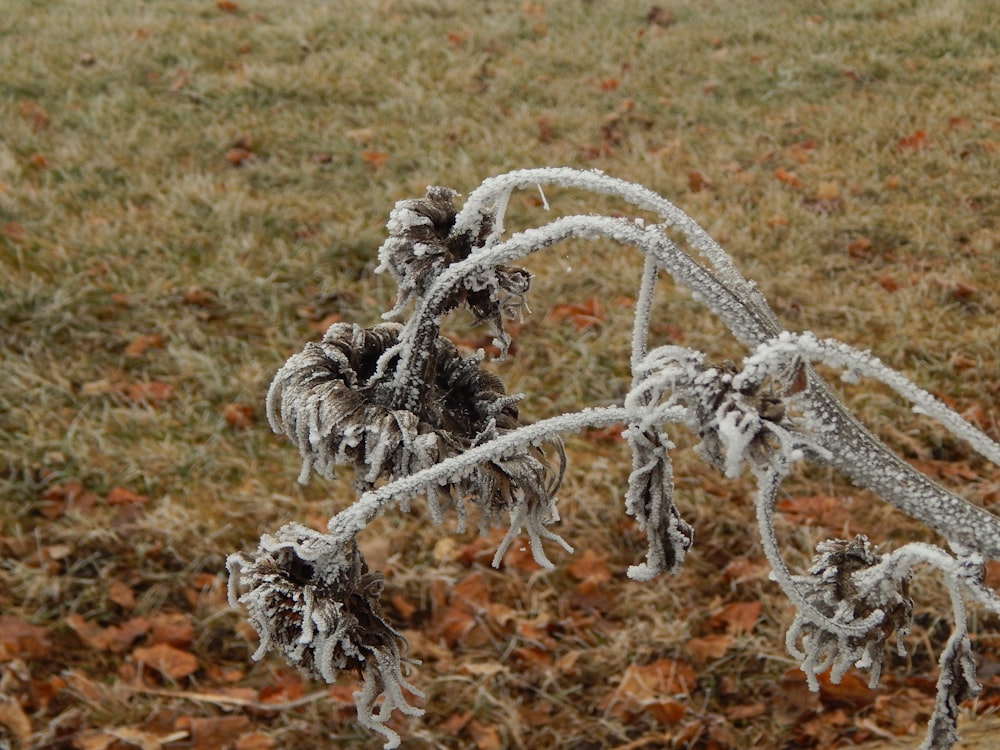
[
  {"x": 485, "y": 737},
  {"x": 590, "y": 566},
  {"x": 238, "y": 416},
  {"x": 860, "y": 248},
  {"x": 21, "y": 639},
  {"x": 662, "y": 677},
  {"x": 173, "y": 628},
  {"x": 696, "y": 181},
  {"x": 237, "y": 156},
  {"x": 375, "y": 158},
  {"x": 738, "y": 617},
  {"x": 122, "y": 496},
  {"x": 254, "y": 741},
  {"x": 121, "y": 594},
  {"x": 138, "y": 346},
  {"x": 916, "y": 140},
  {"x": 167, "y": 660},
  {"x": 786, "y": 177},
  {"x": 227, "y": 5},
  {"x": 13, "y": 718},
  {"x": 583, "y": 315},
  {"x": 150, "y": 392},
  {"x": 609, "y": 84},
  {"x": 666, "y": 711},
  {"x": 114, "y": 638},
  {"x": 709, "y": 647},
  {"x": 217, "y": 731},
  {"x": 14, "y": 231}
]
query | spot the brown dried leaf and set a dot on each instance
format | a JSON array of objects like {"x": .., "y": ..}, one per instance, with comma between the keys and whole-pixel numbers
[
  {"x": 153, "y": 391},
  {"x": 121, "y": 594},
  {"x": 12, "y": 717},
  {"x": 737, "y": 617},
  {"x": 167, "y": 660},
  {"x": 374, "y": 157},
  {"x": 485, "y": 737},
  {"x": 238, "y": 416},
  {"x": 173, "y": 628},
  {"x": 215, "y": 732},
  {"x": 708, "y": 648},
  {"x": 140, "y": 344},
  {"x": 590, "y": 566},
  {"x": 19, "y": 639},
  {"x": 254, "y": 741},
  {"x": 123, "y": 496}
]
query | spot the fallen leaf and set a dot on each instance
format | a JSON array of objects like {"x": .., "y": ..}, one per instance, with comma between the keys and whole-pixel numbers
[
  {"x": 709, "y": 647},
  {"x": 374, "y": 158},
  {"x": 737, "y": 617},
  {"x": 33, "y": 113},
  {"x": 114, "y": 638},
  {"x": 14, "y": 231},
  {"x": 859, "y": 247},
  {"x": 121, "y": 594},
  {"x": 153, "y": 391},
  {"x": 588, "y": 313},
  {"x": 360, "y": 135},
  {"x": 747, "y": 711},
  {"x": 649, "y": 685},
  {"x": 173, "y": 628},
  {"x": 167, "y": 660},
  {"x": 239, "y": 156},
  {"x": 123, "y": 496},
  {"x": 179, "y": 79},
  {"x": 12, "y": 717},
  {"x": 485, "y": 737},
  {"x": 697, "y": 181},
  {"x": 199, "y": 297},
  {"x": 657, "y": 16},
  {"x": 20, "y": 639},
  {"x": 914, "y": 141},
  {"x": 227, "y": 6},
  {"x": 254, "y": 741},
  {"x": 216, "y": 732},
  {"x": 143, "y": 342},
  {"x": 786, "y": 177},
  {"x": 238, "y": 416},
  {"x": 589, "y": 566},
  {"x": 817, "y": 510}
]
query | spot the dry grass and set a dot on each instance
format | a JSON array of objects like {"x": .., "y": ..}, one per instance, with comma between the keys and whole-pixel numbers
[{"x": 215, "y": 177}]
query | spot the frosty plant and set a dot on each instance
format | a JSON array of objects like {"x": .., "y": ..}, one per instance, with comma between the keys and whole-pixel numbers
[{"x": 413, "y": 417}]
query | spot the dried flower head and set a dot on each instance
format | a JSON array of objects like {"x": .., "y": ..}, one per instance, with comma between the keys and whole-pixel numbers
[
  {"x": 330, "y": 400},
  {"x": 422, "y": 243},
  {"x": 849, "y": 585},
  {"x": 311, "y": 597}
]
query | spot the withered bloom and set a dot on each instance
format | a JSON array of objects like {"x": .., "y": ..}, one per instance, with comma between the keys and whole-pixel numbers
[
  {"x": 311, "y": 597},
  {"x": 331, "y": 401},
  {"x": 422, "y": 243},
  {"x": 848, "y": 585}
]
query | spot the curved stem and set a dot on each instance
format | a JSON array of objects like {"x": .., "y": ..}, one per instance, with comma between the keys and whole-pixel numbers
[
  {"x": 768, "y": 482},
  {"x": 353, "y": 519},
  {"x": 745, "y": 321},
  {"x": 859, "y": 455},
  {"x": 490, "y": 199}
]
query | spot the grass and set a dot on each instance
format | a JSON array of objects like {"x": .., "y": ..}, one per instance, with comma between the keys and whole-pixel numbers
[{"x": 213, "y": 179}]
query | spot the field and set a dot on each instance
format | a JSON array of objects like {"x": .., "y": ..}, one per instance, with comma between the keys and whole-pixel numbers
[{"x": 192, "y": 190}]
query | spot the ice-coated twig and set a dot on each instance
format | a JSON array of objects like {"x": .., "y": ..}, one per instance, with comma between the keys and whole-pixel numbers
[{"x": 398, "y": 403}]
